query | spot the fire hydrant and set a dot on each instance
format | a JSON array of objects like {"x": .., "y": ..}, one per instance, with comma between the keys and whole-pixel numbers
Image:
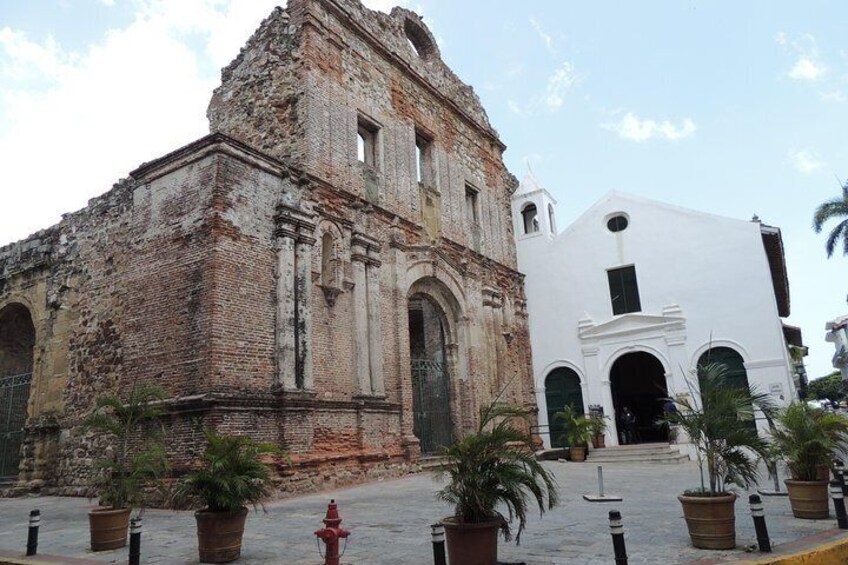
[{"x": 331, "y": 533}]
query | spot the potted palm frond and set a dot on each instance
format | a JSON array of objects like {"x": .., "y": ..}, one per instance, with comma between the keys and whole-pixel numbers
[
  {"x": 578, "y": 431},
  {"x": 807, "y": 439},
  {"x": 597, "y": 429},
  {"x": 492, "y": 466},
  {"x": 231, "y": 475},
  {"x": 727, "y": 448},
  {"x": 135, "y": 459}
]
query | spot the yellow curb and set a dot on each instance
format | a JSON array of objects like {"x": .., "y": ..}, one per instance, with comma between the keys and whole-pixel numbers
[{"x": 826, "y": 554}]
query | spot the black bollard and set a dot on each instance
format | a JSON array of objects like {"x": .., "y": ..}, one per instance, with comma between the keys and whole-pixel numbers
[
  {"x": 617, "y": 531},
  {"x": 760, "y": 523},
  {"x": 838, "y": 465},
  {"x": 438, "y": 533},
  {"x": 32, "y": 534},
  {"x": 839, "y": 504},
  {"x": 839, "y": 475},
  {"x": 135, "y": 541}
]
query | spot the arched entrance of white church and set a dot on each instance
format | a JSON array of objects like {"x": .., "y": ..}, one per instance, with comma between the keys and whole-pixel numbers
[
  {"x": 637, "y": 381},
  {"x": 562, "y": 388},
  {"x": 429, "y": 335},
  {"x": 17, "y": 340}
]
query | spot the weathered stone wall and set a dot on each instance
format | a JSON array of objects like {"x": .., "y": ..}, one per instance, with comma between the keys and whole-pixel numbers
[{"x": 263, "y": 279}]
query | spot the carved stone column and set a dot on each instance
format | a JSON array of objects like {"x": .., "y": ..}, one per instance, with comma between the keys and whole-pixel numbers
[
  {"x": 303, "y": 295},
  {"x": 366, "y": 314},
  {"x": 375, "y": 329},
  {"x": 285, "y": 330},
  {"x": 361, "y": 343},
  {"x": 294, "y": 297}
]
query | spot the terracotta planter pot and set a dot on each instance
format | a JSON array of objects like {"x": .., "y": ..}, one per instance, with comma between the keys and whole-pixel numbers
[
  {"x": 471, "y": 544},
  {"x": 108, "y": 528},
  {"x": 577, "y": 454},
  {"x": 809, "y": 499},
  {"x": 598, "y": 442},
  {"x": 219, "y": 535},
  {"x": 711, "y": 520}
]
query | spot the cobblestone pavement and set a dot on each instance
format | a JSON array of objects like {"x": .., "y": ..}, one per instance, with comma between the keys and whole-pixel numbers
[{"x": 390, "y": 523}]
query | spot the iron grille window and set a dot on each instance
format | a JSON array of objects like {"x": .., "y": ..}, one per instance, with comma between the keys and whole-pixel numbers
[{"x": 624, "y": 292}]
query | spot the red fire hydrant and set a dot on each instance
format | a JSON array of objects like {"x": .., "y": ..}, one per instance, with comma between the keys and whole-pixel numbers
[{"x": 331, "y": 533}]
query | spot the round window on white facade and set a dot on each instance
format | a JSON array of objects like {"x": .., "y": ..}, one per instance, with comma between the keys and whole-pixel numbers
[{"x": 617, "y": 223}]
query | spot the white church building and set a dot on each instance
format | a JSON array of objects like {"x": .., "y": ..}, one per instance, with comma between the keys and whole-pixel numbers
[{"x": 627, "y": 300}]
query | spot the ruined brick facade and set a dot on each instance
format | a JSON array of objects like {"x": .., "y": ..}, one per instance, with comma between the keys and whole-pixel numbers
[{"x": 264, "y": 275}]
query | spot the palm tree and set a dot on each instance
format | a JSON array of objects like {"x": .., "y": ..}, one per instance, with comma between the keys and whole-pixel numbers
[{"x": 834, "y": 208}]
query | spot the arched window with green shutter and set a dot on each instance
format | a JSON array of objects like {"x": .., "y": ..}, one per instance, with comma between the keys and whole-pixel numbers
[{"x": 562, "y": 388}]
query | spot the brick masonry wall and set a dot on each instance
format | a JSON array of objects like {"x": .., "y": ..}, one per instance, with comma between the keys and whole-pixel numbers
[{"x": 173, "y": 276}]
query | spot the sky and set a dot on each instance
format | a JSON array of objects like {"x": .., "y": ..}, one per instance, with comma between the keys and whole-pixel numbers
[{"x": 732, "y": 108}]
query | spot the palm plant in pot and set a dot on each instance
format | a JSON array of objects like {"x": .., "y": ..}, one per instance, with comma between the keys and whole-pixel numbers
[
  {"x": 807, "y": 439},
  {"x": 135, "y": 460},
  {"x": 232, "y": 474},
  {"x": 727, "y": 450},
  {"x": 494, "y": 465},
  {"x": 597, "y": 428},
  {"x": 578, "y": 431}
]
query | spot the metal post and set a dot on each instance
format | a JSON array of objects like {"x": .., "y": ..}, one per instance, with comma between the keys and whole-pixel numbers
[
  {"x": 32, "y": 534},
  {"x": 438, "y": 533},
  {"x": 617, "y": 531},
  {"x": 135, "y": 541},
  {"x": 844, "y": 484},
  {"x": 760, "y": 523},
  {"x": 600, "y": 481},
  {"x": 838, "y": 465},
  {"x": 839, "y": 504}
]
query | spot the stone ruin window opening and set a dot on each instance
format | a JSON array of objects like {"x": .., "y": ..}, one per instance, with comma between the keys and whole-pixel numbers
[
  {"x": 472, "y": 205},
  {"x": 418, "y": 39},
  {"x": 530, "y": 216},
  {"x": 367, "y": 142},
  {"x": 17, "y": 345},
  {"x": 424, "y": 159}
]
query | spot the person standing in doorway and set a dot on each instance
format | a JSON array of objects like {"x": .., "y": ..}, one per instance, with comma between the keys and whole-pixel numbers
[{"x": 628, "y": 422}]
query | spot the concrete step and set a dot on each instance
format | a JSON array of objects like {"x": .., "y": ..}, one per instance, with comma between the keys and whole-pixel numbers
[
  {"x": 646, "y": 452},
  {"x": 431, "y": 463},
  {"x": 604, "y": 454},
  {"x": 661, "y": 459}
]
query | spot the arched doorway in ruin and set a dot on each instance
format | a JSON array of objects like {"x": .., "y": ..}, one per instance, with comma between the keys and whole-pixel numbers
[
  {"x": 637, "y": 381},
  {"x": 432, "y": 344},
  {"x": 17, "y": 340}
]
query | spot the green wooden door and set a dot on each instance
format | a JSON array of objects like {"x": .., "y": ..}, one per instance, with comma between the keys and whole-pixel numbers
[
  {"x": 562, "y": 387},
  {"x": 736, "y": 375}
]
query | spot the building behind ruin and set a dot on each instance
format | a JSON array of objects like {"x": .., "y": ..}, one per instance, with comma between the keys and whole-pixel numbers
[{"x": 332, "y": 268}]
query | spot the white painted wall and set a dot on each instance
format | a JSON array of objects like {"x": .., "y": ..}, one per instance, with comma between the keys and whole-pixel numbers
[{"x": 703, "y": 281}]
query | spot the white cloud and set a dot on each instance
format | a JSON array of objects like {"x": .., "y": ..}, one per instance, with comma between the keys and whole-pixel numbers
[
  {"x": 385, "y": 5},
  {"x": 808, "y": 65},
  {"x": 73, "y": 123},
  {"x": 807, "y": 69},
  {"x": 545, "y": 37},
  {"x": 833, "y": 96},
  {"x": 557, "y": 85},
  {"x": 805, "y": 161},
  {"x": 632, "y": 128}
]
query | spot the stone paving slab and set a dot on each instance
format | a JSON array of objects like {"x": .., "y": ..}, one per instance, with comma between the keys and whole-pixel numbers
[{"x": 390, "y": 523}]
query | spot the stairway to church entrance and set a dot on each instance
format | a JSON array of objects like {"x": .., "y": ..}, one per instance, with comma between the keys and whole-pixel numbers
[{"x": 638, "y": 382}]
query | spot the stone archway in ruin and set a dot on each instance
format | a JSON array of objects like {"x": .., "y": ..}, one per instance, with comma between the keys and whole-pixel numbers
[
  {"x": 434, "y": 345},
  {"x": 17, "y": 342}
]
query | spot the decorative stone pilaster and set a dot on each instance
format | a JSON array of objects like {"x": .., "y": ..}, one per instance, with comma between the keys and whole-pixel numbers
[
  {"x": 294, "y": 297},
  {"x": 366, "y": 314}
]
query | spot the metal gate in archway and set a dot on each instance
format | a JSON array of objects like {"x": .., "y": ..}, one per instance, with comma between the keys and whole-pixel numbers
[
  {"x": 14, "y": 395},
  {"x": 431, "y": 405}
]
